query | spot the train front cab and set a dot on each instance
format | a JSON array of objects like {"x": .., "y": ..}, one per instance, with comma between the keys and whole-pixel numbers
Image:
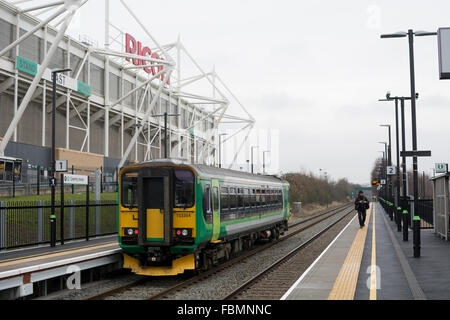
[{"x": 157, "y": 219}]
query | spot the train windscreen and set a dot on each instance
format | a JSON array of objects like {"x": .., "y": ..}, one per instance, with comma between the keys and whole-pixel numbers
[
  {"x": 129, "y": 190},
  {"x": 184, "y": 188}
]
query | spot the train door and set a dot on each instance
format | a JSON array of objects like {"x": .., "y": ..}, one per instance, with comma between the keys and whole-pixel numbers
[
  {"x": 216, "y": 209},
  {"x": 155, "y": 208}
]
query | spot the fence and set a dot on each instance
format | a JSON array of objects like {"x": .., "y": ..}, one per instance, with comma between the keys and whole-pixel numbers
[
  {"x": 425, "y": 210},
  {"x": 27, "y": 223},
  {"x": 35, "y": 181}
]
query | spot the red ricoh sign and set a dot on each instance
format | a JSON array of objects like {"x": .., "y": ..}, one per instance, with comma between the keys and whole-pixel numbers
[{"x": 135, "y": 47}]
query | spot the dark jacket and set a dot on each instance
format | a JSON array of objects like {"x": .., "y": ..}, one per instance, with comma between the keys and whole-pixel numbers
[{"x": 361, "y": 206}]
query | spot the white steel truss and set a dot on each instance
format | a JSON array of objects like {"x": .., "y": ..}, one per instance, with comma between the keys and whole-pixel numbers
[{"x": 194, "y": 140}]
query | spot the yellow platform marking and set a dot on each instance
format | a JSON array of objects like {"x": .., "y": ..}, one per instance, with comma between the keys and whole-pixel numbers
[
  {"x": 112, "y": 244},
  {"x": 345, "y": 285},
  {"x": 373, "y": 267},
  {"x": 51, "y": 252}
]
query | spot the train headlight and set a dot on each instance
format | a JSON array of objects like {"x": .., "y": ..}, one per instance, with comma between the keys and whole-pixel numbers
[
  {"x": 130, "y": 232},
  {"x": 183, "y": 232}
]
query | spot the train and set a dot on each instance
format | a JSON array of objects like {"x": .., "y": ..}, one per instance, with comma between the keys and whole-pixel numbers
[{"x": 176, "y": 217}]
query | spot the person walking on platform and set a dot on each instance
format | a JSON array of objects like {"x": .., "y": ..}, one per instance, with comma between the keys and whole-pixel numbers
[{"x": 361, "y": 205}]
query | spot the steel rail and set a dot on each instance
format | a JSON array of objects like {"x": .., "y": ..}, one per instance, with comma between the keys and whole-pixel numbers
[
  {"x": 224, "y": 265},
  {"x": 244, "y": 256},
  {"x": 238, "y": 291}
]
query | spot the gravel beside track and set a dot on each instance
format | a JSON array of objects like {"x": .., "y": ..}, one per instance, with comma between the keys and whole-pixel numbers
[
  {"x": 217, "y": 285},
  {"x": 277, "y": 281},
  {"x": 221, "y": 284}
]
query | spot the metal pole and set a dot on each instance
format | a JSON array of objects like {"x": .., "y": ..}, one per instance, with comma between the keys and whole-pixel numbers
[
  {"x": 252, "y": 159},
  {"x": 38, "y": 180},
  {"x": 73, "y": 186},
  {"x": 52, "y": 178},
  {"x": 397, "y": 204},
  {"x": 390, "y": 164},
  {"x": 87, "y": 210},
  {"x": 165, "y": 135},
  {"x": 404, "y": 173},
  {"x": 414, "y": 139},
  {"x": 220, "y": 162},
  {"x": 61, "y": 217},
  {"x": 264, "y": 162}
]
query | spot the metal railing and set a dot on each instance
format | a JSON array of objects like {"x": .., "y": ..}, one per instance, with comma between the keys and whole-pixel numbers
[
  {"x": 425, "y": 210},
  {"x": 27, "y": 223}
]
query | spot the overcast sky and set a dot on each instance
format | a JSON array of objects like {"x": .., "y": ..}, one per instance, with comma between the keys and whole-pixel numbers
[{"x": 313, "y": 70}]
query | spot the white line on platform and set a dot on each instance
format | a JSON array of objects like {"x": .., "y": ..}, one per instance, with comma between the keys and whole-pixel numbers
[
  {"x": 314, "y": 263},
  {"x": 36, "y": 268}
]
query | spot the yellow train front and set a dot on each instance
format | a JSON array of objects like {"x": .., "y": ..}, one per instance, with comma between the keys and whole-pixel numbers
[{"x": 174, "y": 216}]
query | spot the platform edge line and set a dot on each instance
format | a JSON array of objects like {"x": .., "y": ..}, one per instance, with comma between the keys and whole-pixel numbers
[{"x": 304, "y": 274}]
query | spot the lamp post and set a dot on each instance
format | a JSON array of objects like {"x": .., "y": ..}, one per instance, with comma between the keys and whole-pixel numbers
[
  {"x": 389, "y": 158},
  {"x": 52, "y": 177},
  {"x": 220, "y": 143},
  {"x": 410, "y": 34},
  {"x": 253, "y": 147},
  {"x": 385, "y": 164},
  {"x": 166, "y": 115},
  {"x": 264, "y": 161}
]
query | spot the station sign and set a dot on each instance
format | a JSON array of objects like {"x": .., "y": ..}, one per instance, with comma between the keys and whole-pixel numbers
[
  {"x": 75, "y": 179},
  {"x": 443, "y": 36},
  {"x": 441, "y": 167},
  {"x": 61, "y": 165},
  {"x": 31, "y": 68},
  {"x": 135, "y": 47},
  {"x": 383, "y": 181},
  {"x": 390, "y": 170}
]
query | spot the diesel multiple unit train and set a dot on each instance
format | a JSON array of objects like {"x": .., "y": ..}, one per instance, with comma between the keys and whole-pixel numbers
[{"x": 175, "y": 216}]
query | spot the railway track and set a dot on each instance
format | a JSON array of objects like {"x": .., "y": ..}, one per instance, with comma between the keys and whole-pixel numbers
[
  {"x": 278, "y": 277},
  {"x": 297, "y": 226}
]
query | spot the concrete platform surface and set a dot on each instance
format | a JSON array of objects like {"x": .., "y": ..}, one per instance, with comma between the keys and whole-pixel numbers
[{"x": 375, "y": 263}]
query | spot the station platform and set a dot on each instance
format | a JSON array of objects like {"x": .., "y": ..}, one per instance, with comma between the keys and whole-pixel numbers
[
  {"x": 374, "y": 263},
  {"x": 20, "y": 269}
]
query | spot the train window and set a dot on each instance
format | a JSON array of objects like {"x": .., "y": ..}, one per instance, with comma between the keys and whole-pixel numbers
[
  {"x": 245, "y": 198},
  {"x": 224, "y": 203},
  {"x": 240, "y": 198},
  {"x": 258, "y": 197},
  {"x": 184, "y": 188},
  {"x": 233, "y": 198},
  {"x": 129, "y": 191},
  {"x": 216, "y": 198},
  {"x": 263, "y": 197},
  {"x": 253, "y": 197},
  {"x": 207, "y": 204}
]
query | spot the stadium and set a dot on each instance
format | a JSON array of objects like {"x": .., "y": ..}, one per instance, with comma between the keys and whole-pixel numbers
[{"x": 110, "y": 105}]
